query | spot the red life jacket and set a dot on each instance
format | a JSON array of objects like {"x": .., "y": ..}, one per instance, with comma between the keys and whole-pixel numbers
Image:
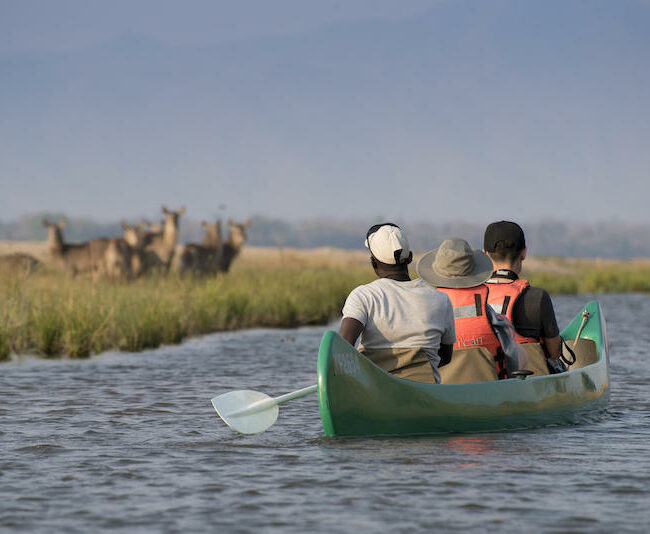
[
  {"x": 473, "y": 328},
  {"x": 502, "y": 297}
]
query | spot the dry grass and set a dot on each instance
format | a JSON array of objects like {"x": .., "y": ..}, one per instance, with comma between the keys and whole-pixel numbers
[
  {"x": 330, "y": 258},
  {"x": 51, "y": 314},
  {"x": 37, "y": 249}
]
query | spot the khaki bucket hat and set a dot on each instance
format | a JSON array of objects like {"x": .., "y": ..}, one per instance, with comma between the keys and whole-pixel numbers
[{"x": 455, "y": 264}]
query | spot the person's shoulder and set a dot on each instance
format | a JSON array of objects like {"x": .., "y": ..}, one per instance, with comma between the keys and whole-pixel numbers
[
  {"x": 427, "y": 289},
  {"x": 536, "y": 292},
  {"x": 422, "y": 285},
  {"x": 535, "y": 297},
  {"x": 390, "y": 284},
  {"x": 360, "y": 288},
  {"x": 370, "y": 287}
]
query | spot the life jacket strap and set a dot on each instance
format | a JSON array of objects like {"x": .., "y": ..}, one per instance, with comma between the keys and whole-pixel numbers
[
  {"x": 477, "y": 303},
  {"x": 471, "y": 310},
  {"x": 506, "y": 301},
  {"x": 503, "y": 307}
]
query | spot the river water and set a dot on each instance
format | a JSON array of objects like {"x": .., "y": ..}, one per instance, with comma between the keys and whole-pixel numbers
[{"x": 130, "y": 443}]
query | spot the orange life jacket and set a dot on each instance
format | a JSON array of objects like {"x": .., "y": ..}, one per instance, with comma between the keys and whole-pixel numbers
[
  {"x": 473, "y": 328},
  {"x": 503, "y": 296}
]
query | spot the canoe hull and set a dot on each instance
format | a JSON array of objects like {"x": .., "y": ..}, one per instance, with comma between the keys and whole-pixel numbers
[{"x": 357, "y": 398}]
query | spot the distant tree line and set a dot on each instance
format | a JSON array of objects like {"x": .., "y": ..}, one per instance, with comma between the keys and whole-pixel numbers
[{"x": 552, "y": 238}]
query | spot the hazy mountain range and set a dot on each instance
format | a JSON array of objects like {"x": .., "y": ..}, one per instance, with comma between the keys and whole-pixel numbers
[{"x": 472, "y": 111}]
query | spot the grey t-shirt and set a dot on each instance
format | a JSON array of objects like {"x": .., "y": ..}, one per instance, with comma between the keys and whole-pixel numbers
[{"x": 411, "y": 314}]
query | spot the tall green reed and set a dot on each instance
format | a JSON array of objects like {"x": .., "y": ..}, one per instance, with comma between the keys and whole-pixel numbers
[{"x": 52, "y": 315}]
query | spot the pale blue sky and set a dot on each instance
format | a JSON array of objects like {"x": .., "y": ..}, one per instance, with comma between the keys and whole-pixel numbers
[
  {"x": 425, "y": 110},
  {"x": 37, "y": 25}
]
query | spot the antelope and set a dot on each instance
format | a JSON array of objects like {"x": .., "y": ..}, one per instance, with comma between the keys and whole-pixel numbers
[
  {"x": 18, "y": 263},
  {"x": 157, "y": 228},
  {"x": 203, "y": 258},
  {"x": 159, "y": 247},
  {"x": 134, "y": 237},
  {"x": 100, "y": 257},
  {"x": 74, "y": 258},
  {"x": 152, "y": 228},
  {"x": 232, "y": 246},
  {"x": 115, "y": 261}
]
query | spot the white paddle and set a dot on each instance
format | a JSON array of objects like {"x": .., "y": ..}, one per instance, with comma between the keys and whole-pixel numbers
[{"x": 252, "y": 412}]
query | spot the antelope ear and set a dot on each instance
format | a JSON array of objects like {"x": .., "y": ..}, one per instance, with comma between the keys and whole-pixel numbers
[
  {"x": 165, "y": 210},
  {"x": 181, "y": 210},
  {"x": 46, "y": 223},
  {"x": 62, "y": 223},
  {"x": 204, "y": 224}
]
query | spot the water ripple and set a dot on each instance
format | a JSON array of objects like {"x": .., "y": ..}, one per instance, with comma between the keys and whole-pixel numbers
[{"x": 130, "y": 442}]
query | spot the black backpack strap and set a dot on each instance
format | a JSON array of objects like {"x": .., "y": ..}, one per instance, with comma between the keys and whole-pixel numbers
[{"x": 500, "y": 361}]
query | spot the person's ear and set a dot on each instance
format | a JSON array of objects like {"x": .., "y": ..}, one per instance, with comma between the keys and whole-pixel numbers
[
  {"x": 523, "y": 254},
  {"x": 373, "y": 262}
]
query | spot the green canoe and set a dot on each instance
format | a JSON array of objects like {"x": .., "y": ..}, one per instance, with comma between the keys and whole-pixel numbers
[{"x": 357, "y": 398}]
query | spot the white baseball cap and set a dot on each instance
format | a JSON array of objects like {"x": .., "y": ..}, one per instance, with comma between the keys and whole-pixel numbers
[{"x": 388, "y": 244}]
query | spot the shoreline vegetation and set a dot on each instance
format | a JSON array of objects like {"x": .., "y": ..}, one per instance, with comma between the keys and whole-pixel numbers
[{"x": 50, "y": 314}]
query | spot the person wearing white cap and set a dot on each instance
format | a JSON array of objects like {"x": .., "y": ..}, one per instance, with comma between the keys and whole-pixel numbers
[
  {"x": 406, "y": 326},
  {"x": 485, "y": 347}
]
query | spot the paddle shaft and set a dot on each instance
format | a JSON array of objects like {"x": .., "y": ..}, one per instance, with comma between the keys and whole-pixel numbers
[{"x": 268, "y": 403}]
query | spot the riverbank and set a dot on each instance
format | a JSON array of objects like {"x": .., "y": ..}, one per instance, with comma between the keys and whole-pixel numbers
[
  {"x": 50, "y": 314},
  {"x": 570, "y": 276}
]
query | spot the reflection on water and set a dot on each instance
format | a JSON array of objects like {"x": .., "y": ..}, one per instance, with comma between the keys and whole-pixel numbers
[
  {"x": 471, "y": 445},
  {"x": 130, "y": 442}
]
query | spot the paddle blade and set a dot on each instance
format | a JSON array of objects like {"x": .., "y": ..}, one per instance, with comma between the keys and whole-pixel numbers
[{"x": 246, "y": 411}]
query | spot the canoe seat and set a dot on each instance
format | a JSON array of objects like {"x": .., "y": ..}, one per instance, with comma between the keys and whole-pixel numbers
[
  {"x": 586, "y": 354},
  {"x": 536, "y": 359},
  {"x": 477, "y": 364},
  {"x": 407, "y": 363},
  {"x": 585, "y": 350},
  {"x": 468, "y": 366}
]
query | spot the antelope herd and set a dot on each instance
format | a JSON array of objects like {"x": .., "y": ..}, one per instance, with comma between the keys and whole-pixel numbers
[{"x": 144, "y": 248}]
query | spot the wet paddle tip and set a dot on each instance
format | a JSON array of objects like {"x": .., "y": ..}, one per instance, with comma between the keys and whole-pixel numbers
[{"x": 246, "y": 411}]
